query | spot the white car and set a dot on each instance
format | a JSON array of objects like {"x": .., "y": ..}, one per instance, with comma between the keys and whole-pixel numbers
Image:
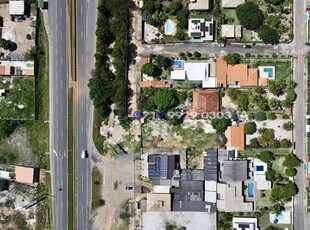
[{"x": 84, "y": 154}]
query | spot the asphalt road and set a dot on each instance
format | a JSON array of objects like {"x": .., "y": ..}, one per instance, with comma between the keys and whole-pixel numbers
[
  {"x": 58, "y": 110},
  {"x": 85, "y": 38}
]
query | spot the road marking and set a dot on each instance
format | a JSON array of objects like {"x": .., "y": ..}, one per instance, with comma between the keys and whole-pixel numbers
[
  {"x": 62, "y": 132},
  {"x": 82, "y": 34},
  {"x": 82, "y": 128},
  {"x": 62, "y": 109},
  {"x": 82, "y": 208},
  {"x": 61, "y": 60},
  {"x": 81, "y": 9},
  {"x": 82, "y": 58},
  {"x": 54, "y": 151}
]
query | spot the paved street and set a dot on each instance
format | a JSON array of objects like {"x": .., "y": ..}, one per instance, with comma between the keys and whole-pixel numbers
[
  {"x": 58, "y": 110},
  {"x": 85, "y": 50}
]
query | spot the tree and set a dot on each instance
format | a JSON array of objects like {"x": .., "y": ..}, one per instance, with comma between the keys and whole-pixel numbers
[
  {"x": 220, "y": 124},
  {"x": 151, "y": 6},
  {"x": 276, "y": 87},
  {"x": 151, "y": 70},
  {"x": 271, "y": 116},
  {"x": 285, "y": 143},
  {"x": 220, "y": 139},
  {"x": 260, "y": 116},
  {"x": 175, "y": 7},
  {"x": 268, "y": 34},
  {"x": 277, "y": 208},
  {"x": 165, "y": 99},
  {"x": 290, "y": 190},
  {"x": 197, "y": 54},
  {"x": 249, "y": 128},
  {"x": 181, "y": 35},
  {"x": 288, "y": 126},
  {"x": 182, "y": 17},
  {"x": 5, "y": 44},
  {"x": 232, "y": 58},
  {"x": 249, "y": 15},
  {"x": 271, "y": 175},
  {"x": 289, "y": 98},
  {"x": 291, "y": 161},
  {"x": 266, "y": 156},
  {"x": 274, "y": 103},
  {"x": 290, "y": 172},
  {"x": 182, "y": 55},
  {"x": 162, "y": 61},
  {"x": 254, "y": 143},
  {"x": 275, "y": 2}
]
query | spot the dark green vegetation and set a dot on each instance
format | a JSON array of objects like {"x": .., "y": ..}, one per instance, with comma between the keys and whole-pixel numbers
[
  {"x": 106, "y": 87},
  {"x": 249, "y": 15},
  {"x": 268, "y": 34},
  {"x": 249, "y": 128},
  {"x": 152, "y": 99},
  {"x": 97, "y": 201},
  {"x": 220, "y": 124},
  {"x": 266, "y": 156},
  {"x": 232, "y": 58}
]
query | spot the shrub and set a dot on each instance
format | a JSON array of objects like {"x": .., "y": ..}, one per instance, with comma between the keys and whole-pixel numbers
[
  {"x": 197, "y": 54},
  {"x": 288, "y": 126},
  {"x": 271, "y": 116},
  {"x": 249, "y": 128},
  {"x": 162, "y": 61},
  {"x": 291, "y": 161},
  {"x": 290, "y": 172},
  {"x": 28, "y": 36},
  {"x": 181, "y": 35},
  {"x": 254, "y": 143},
  {"x": 260, "y": 116},
  {"x": 266, "y": 156},
  {"x": 151, "y": 70},
  {"x": 268, "y": 34},
  {"x": 220, "y": 124},
  {"x": 232, "y": 58},
  {"x": 182, "y": 17}
]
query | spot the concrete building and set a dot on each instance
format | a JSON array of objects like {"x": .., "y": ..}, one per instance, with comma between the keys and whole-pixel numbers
[
  {"x": 245, "y": 223},
  {"x": 26, "y": 175},
  {"x": 200, "y": 29},
  {"x": 211, "y": 164},
  {"x": 160, "y": 202},
  {"x": 17, "y": 8},
  {"x": 231, "y": 31},
  {"x": 199, "y": 5},
  {"x": 230, "y": 198},
  {"x": 17, "y": 68},
  {"x": 234, "y": 170},
  {"x": 231, "y": 3}
]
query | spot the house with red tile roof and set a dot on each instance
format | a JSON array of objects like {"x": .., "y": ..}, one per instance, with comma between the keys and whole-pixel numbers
[
  {"x": 205, "y": 101},
  {"x": 235, "y": 137}
]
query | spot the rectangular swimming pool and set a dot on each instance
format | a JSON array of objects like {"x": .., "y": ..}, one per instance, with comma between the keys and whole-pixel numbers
[
  {"x": 250, "y": 189},
  {"x": 259, "y": 168}
]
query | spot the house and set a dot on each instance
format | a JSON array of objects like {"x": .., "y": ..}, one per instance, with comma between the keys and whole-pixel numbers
[
  {"x": 245, "y": 223},
  {"x": 235, "y": 137},
  {"x": 234, "y": 170},
  {"x": 155, "y": 84},
  {"x": 160, "y": 202},
  {"x": 17, "y": 8},
  {"x": 200, "y": 29},
  {"x": 239, "y": 75},
  {"x": 211, "y": 165},
  {"x": 259, "y": 169},
  {"x": 193, "y": 72},
  {"x": 17, "y": 68},
  {"x": 230, "y": 198},
  {"x": 205, "y": 101},
  {"x": 231, "y": 3},
  {"x": 199, "y": 5},
  {"x": 26, "y": 175},
  {"x": 231, "y": 31}
]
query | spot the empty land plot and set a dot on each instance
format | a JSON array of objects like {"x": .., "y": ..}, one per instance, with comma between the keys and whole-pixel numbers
[{"x": 18, "y": 101}]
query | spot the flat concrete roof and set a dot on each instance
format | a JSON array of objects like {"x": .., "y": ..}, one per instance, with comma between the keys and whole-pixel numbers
[{"x": 17, "y": 7}]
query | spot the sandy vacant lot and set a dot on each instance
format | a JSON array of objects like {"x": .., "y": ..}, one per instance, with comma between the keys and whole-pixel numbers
[{"x": 17, "y": 32}]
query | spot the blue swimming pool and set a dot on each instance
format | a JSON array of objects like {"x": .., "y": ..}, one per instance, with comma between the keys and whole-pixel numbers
[
  {"x": 177, "y": 64},
  {"x": 269, "y": 71},
  {"x": 168, "y": 27},
  {"x": 308, "y": 167},
  {"x": 251, "y": 189},
  {"x": 260, "y": 168}
]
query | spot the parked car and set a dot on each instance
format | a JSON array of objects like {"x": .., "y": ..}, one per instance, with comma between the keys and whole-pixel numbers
[
  {"x": 84, "y": 154},
  {"x": 247, "y": 46},
  {"x": 129, "y": 188},
  {"x": 222, "y": 44}
]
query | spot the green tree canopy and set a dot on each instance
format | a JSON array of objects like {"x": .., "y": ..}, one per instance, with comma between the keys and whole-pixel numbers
[
  {"x": 165, "y": 99},
  {"x": 151, "y": 70},
  {"x": 291, "y": 161},
  {"x": 249, "y": 128},
  {"x": 285, "y": 143},
  {"x": 162, "y": 61},
  {"x": 288, "y": 126},
  {"x": 276, "y": 87},
  {"x": 268, "y": 34},
  {"x": 232, "y": 58},
  {"x": 271, "y": 175},
  {"x": 4, "y": 44},
  {"x": 290, "y": 172},
  {"x": 266, "y": 156},
  {"x": 182, "y": 17},
  {"x": 289, "y": 98},
  {"x": 249, "y": 15},
  {"x": 175, "y": 7},
  {"x": 220, "y": 124},
  {"x": 181, "y": 35},
  {"x": 260, "y": 116}
]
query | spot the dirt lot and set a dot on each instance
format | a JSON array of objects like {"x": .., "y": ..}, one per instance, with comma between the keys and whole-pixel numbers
[
  {"x": 17, "y": 32},
  {"x": 118, "y": 173}
]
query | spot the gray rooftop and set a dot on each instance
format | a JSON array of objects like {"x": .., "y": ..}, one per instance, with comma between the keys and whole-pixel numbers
[
  {"x": 196, "y": 174},
  {"x": 236, "y": 170},
  {"x": 211, "y": 165}
]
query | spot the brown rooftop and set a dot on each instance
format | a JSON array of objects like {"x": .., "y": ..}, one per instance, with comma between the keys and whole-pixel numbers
[
  {"x": 24, "y": 175},
  {"x": 235, "y": 137},
  {"x": 155, "y": 84},
  {"x": 206, "y": 101}
]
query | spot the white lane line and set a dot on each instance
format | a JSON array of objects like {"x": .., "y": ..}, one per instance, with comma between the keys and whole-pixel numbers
[
  {"x": 62, "y": 86},
  {"x": 82, "y": 35},
  {"x": 62, "y": 109},
  {"x": 61, "y": 61},
  {"x": 54, "y": 151},
  {"x": 82, "y": 128},
  {"x": 81, "y": 9},
  {"x": 82, "y": 209},
  {"x": 62, "y": 132}
]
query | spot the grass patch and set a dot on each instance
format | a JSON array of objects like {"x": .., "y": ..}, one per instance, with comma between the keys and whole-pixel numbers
[
  {"x": 277, "y": 165},
  {"x": 97, "y": 137},
  {"x": 96, "y": 189},
  {"x": 254, "y": 152},
  {"x": 19, "y": 102},
  {"x": 70, "y": 161},
  {"x": 231, "y": 15}
]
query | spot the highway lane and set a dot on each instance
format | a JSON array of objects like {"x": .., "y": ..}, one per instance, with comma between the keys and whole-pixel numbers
[
  {"x": 85, "y": 35},
  {"x": 58, "y": 110}
]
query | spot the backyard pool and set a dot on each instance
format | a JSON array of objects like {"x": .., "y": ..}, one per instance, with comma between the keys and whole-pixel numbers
[
  {"x": 177, "y": 64},
  {"x": 269, "y": 71},
  {"x": 260, "y": 168},
  {"x": 251, "y": 189},
  {"x": 170, "y": 27},
  {"x": 283, "y": 218},
  {"x": 308, "y": 167}
]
